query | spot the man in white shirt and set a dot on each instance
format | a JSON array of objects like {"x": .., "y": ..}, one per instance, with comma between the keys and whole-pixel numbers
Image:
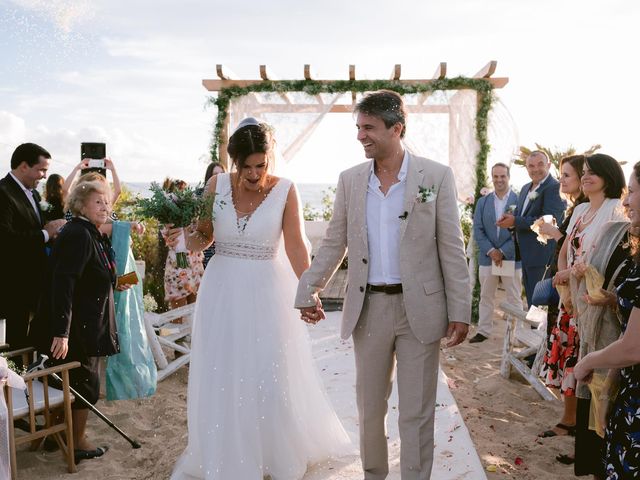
[
  {"x": 23, "y": 236},
  {"x": 495, "y": 245},
  {"x": 408, "y": 282}
]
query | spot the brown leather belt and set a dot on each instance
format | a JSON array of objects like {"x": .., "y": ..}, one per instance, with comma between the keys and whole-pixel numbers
[{"x": 388, "y": 289}]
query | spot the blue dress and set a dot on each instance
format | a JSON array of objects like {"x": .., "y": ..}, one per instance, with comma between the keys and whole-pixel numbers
[
  {"x": 622, "y": 456},
  {"x": 131, "y": 373}
]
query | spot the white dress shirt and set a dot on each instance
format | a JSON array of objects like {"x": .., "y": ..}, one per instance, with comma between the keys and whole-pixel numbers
[
  {"x": 383, "y": 227},
  {"x": 526, "y": 200},
  {"x": 32, "y": 200},
  {"x": 500, "y": 205}
]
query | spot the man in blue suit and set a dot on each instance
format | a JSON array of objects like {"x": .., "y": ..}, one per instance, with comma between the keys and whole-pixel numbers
[
  {"x": 538, "y": 198},
  {"x": 495, "y": 244}
]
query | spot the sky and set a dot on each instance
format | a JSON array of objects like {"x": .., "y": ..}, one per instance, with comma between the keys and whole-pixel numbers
[{"x": 129, "y": 73}]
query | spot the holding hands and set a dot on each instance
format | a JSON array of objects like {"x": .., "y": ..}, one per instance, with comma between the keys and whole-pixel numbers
[{"x": 313, "y": 314}]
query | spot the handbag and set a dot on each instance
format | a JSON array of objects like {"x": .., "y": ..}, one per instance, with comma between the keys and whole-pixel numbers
[{"x": 544, "y": 293}]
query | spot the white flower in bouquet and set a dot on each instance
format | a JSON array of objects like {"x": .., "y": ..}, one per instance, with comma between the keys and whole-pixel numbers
[{"x": 150, "y": 304}]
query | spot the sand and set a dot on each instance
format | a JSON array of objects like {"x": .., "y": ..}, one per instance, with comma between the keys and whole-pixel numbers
[{"x": 503, "y": 418}]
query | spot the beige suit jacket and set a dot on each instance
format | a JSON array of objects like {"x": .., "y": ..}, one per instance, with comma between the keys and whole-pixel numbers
[{"x": 435, "y": 278}]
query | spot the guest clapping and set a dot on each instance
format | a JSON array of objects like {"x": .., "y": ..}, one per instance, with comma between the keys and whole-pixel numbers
[{"x": 82, "y": 306}]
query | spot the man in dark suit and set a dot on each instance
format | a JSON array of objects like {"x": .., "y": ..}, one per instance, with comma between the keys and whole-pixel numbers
[
  {"x": 23, "y": 236},
  {"x": 538, "y": 198}
]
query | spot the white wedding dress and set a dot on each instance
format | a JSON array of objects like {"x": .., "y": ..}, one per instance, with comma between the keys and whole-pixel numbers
[{"x": 256, "y": 403}]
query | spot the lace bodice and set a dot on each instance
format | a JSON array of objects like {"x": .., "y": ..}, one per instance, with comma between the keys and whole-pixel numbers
[{"x": 253, "y": 237}]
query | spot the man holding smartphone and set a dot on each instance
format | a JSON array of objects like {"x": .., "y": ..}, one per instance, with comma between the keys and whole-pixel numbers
[{"x": 23, "y": 235}]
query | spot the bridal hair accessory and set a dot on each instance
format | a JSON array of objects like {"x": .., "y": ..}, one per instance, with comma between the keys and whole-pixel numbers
[{"x": 246, "y": 122}]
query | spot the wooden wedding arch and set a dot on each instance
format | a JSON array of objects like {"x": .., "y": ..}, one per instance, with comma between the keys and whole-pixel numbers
[{"x": 228, "y": 86}]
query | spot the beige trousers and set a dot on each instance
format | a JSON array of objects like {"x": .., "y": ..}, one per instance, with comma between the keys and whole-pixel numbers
[
  {"x": 381, "y": 339},
  {"x": 488, "y": 286}
]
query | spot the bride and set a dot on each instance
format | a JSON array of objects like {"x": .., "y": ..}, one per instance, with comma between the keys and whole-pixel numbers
[{"x": 256, "y": 405}]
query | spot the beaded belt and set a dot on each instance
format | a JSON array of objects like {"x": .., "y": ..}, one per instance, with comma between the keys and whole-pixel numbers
[{"x": 245, "y": 250}]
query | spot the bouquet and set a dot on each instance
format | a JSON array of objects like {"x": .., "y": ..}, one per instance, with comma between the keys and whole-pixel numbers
[{"x": 180, "y": 208}]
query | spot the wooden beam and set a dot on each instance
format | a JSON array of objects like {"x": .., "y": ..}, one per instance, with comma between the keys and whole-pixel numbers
[
  {"x": 396, "y": 72},
  {"x": 352, "y": 76},
  {"x": 264, "y": 73},
  {"x": 224, "y": 73},
  {"x": 441, "y": 71},
  {"x": 309, "y": 75},
  {"x": 217, "y": 85},
  {"x": 488, "y": 70},
  {"x": 307, "y": 72},
  {"x": 337, "y": 108},
  {"x": 268, "y": 75}
]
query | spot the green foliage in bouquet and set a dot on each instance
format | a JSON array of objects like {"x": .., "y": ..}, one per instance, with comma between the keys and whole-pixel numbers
[{"x": 180, "y": 208}]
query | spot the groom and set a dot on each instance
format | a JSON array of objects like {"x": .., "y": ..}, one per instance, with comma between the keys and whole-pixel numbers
[{"x": 408, "y": 283}]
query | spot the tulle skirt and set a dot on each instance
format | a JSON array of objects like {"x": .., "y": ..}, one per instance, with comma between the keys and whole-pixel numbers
[{"x": 256, "y": 403}]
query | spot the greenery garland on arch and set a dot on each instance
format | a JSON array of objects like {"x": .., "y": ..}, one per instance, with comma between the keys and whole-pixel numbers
[{"x": 311, "y": 87}]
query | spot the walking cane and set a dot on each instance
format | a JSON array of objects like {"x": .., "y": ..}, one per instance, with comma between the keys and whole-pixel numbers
[{"x": 40, "y": 365}]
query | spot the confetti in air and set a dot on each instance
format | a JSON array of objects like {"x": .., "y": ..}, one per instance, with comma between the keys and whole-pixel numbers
[{"x": 47, "y": 32}]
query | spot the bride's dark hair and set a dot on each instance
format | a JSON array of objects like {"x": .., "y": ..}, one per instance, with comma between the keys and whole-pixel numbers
[{"x": 248, "y": 140}]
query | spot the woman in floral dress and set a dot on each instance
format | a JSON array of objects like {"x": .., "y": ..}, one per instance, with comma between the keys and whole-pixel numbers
[{"x": 181, "y": 284}]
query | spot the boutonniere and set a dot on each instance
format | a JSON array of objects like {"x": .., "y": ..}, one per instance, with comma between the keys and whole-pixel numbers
[
  {"x": 511, "y": 209},
  {"x": 532, "y": 196},
  {"x": 426, "y": 195},
  {"x": 45, "y": 206}
]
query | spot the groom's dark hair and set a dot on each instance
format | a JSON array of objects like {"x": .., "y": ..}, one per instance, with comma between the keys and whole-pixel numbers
[
  {"x": 385, "y": 105},
  {"x": 28, "y": 152}
]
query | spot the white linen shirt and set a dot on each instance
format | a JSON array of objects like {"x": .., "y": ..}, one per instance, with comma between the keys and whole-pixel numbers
[{"x": 383, "y": 227}]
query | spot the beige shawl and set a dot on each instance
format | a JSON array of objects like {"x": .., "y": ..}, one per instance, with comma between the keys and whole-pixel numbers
[{"x": 598, "y": 326}]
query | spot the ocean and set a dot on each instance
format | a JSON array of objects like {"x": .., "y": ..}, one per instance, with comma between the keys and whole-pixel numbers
[{"x": 310, "y": 193}]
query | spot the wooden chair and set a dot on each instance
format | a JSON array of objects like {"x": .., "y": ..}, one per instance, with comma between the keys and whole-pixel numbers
[
  {"x": 176, "y": 336},
  {"x": 522, "y": 341},
  {"x": 42, "y": 399}
]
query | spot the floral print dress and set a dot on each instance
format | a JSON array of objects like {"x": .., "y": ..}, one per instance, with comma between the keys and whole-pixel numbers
[
  {"x": 563, "y": 345},
  {"x": 622, "y": 437},
  {"x": 182, "y": 282}
]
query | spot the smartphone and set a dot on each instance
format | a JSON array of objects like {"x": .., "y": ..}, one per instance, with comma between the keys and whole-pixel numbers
[{"x": 95, "y": 153}]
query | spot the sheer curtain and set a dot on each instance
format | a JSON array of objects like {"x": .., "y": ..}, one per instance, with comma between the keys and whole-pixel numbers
[{"x": 441, "y": 125}]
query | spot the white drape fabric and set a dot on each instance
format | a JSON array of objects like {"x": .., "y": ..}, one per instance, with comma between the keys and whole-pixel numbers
[{"x": 444, "y": 129}]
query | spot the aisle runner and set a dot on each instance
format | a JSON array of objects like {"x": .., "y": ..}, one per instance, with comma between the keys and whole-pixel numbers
[{"x": 455, "y": 456}]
